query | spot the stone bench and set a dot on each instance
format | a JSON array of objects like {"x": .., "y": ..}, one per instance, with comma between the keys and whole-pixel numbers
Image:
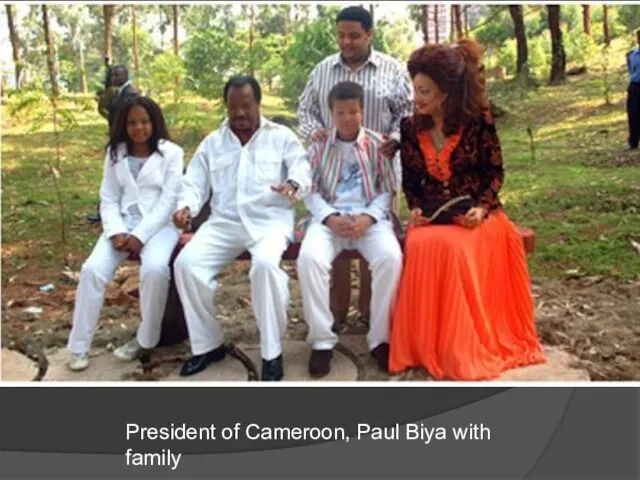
[
  {"x": 291, "y": 253},
  {"x": 174, "y": 329}
]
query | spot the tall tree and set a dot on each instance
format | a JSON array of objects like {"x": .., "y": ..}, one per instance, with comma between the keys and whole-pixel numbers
[
  {"x": 251, "y": 16},
  {"x": 605, "y": 20},
  {"x": 15, "y": 44},
  {"x": 466, "y": 20},
  {"x": 51, "y": 55},
  {"x": 457, "y": 20},
  {"x": 136, "y": 53},
  {"x": 586, "y": 19},
  {"x": 176, "y": 47},
  {"x": 425, "y": 23},
  {"x": 521, "y": 37},
  {"x": 558, "y": 57},
  {"x": 436, "y": 23},
  {"x": 108, "y": 12}
]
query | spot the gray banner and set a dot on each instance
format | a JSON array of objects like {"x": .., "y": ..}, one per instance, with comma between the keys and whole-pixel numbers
[{"x": 369, "y": 432}]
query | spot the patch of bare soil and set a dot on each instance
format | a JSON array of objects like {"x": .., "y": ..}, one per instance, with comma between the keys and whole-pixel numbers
[
  {"x": 613, "y": 159},
  {"x": 596, "y": 319}
]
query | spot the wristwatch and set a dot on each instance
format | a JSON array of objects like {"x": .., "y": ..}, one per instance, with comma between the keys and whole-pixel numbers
[{"x": 294, "y": 184}]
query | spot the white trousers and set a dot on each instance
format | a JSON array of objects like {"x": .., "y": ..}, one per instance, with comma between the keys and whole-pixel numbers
[
  {"x": 217, "y": 243},
  {"x": 319, "y": 248},
  {"x": 99, "y": 270}
]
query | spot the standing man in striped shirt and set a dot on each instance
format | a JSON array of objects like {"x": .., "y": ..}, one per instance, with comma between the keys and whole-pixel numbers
[{"x": 388, "y": 97}]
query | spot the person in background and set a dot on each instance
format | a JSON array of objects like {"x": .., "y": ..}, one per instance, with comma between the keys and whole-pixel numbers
[
  {"x": 464, "y": 307},
  {"x": 252, "y": 169},
  {"x": 388, "y": 97},
  {"x": 118, "y": 88},
  {"x": 633, "y": 96},
  {"x": 139, "y": 191}
]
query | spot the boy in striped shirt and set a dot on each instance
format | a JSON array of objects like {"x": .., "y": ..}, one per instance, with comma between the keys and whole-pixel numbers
[{"x": 350, "y": 206}]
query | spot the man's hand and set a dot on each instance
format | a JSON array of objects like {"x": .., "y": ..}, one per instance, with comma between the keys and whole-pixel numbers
[
  {"x": 320, "y": 134},
  {"x": 286, "y": 190},
  {"x": 182, "y": 219},
  {"x": 359, "y": 226},
  {"x": 389, "y": 147},
  {"x": 340, "y": 225},
  {"x": 119, "y": 241},
  {"x": 473, "y": 218}
]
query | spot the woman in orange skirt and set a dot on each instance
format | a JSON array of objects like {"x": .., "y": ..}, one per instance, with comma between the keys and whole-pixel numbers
[{"x": 464, "y": 309}]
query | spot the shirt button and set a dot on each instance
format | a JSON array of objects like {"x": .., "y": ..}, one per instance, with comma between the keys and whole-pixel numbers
[
  {"x": 446, "y": 191},
  {"x": 445, "y": 184}
]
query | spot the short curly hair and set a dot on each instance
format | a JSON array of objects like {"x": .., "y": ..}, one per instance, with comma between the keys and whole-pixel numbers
[{"x": 458, "y": 72}]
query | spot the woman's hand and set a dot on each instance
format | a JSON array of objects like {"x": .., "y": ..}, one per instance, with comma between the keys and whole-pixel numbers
[
  {"x": 416, "y": 218},
  {"x": 473, "y": 218}
]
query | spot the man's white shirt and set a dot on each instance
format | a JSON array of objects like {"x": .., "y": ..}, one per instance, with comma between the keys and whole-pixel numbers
[{"x": 240, "y": 177}]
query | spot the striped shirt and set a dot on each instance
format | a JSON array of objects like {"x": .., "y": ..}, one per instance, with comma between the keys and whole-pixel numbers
[{"x": 388, "y": 94}]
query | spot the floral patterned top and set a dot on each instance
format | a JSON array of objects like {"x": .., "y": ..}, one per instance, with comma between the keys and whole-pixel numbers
[{"x": 470, "y": 163}]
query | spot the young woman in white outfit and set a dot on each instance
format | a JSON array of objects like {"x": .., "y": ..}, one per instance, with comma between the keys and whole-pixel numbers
[{"x": 140, "y": 188}]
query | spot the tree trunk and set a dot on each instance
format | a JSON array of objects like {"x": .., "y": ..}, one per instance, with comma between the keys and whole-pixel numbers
[
  {"x": 251, "y": 65},
  {"x": 466, "y": 21},
  {"x": 372, "y": 11},
  {"x": 15, "y": 44},
  {"x": 425, "y": 23},
  {"x": 436, "y": 23},
  {"x": 136, "y": 56},
  {"x": 176, "y": 50},
  {"x": 83, "y": 69},
  {"x": 51, "y": 56},
  {"x": 558, "y": 57},
  {"x": 586, "y": 20},
  {"x": 457, "y": 18},
  {"x": 108, "y": 11},
  {"x": 521, "y": 37},
  {"x": 176, "y": 46},
  {"x": 605, "y": 19}
]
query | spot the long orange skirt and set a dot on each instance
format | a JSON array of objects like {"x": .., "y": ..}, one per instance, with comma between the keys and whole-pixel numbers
[{"x": 464, "y": 309}]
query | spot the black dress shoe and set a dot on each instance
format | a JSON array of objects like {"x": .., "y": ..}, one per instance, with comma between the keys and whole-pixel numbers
[
  {"x": 320, "y": 363},
  {"x": 198, "y": 363},
  {"x": 381, "y": 355},
  {"x": 272, "y": 370}
]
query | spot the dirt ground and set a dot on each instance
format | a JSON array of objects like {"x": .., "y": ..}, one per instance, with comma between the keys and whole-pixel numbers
[{"x": 594, "y": 318}]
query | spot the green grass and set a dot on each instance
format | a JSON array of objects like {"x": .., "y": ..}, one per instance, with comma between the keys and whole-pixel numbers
[{"x": 579, "y": 191}]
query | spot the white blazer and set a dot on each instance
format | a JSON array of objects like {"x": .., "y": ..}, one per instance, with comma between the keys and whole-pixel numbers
[{"x": 156, "y": 191}]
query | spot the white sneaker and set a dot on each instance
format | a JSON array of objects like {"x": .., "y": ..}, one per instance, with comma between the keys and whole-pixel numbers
[
  {"x": 78, "y": 361},
  {"x": 129, "y": 351}
]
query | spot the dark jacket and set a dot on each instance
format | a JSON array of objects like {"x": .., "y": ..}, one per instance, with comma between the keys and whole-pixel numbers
[{"x": 116, "y": 101}]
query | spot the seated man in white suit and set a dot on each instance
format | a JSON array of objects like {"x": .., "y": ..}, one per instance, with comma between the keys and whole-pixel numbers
[
  {"x": 139, "y": 193},
  {"x": 254, "y": 169}
]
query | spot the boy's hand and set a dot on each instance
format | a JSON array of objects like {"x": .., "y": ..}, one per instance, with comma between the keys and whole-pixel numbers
[
  {"x": 359, "y": 226},
  {"x": 339, "y": 225}
]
